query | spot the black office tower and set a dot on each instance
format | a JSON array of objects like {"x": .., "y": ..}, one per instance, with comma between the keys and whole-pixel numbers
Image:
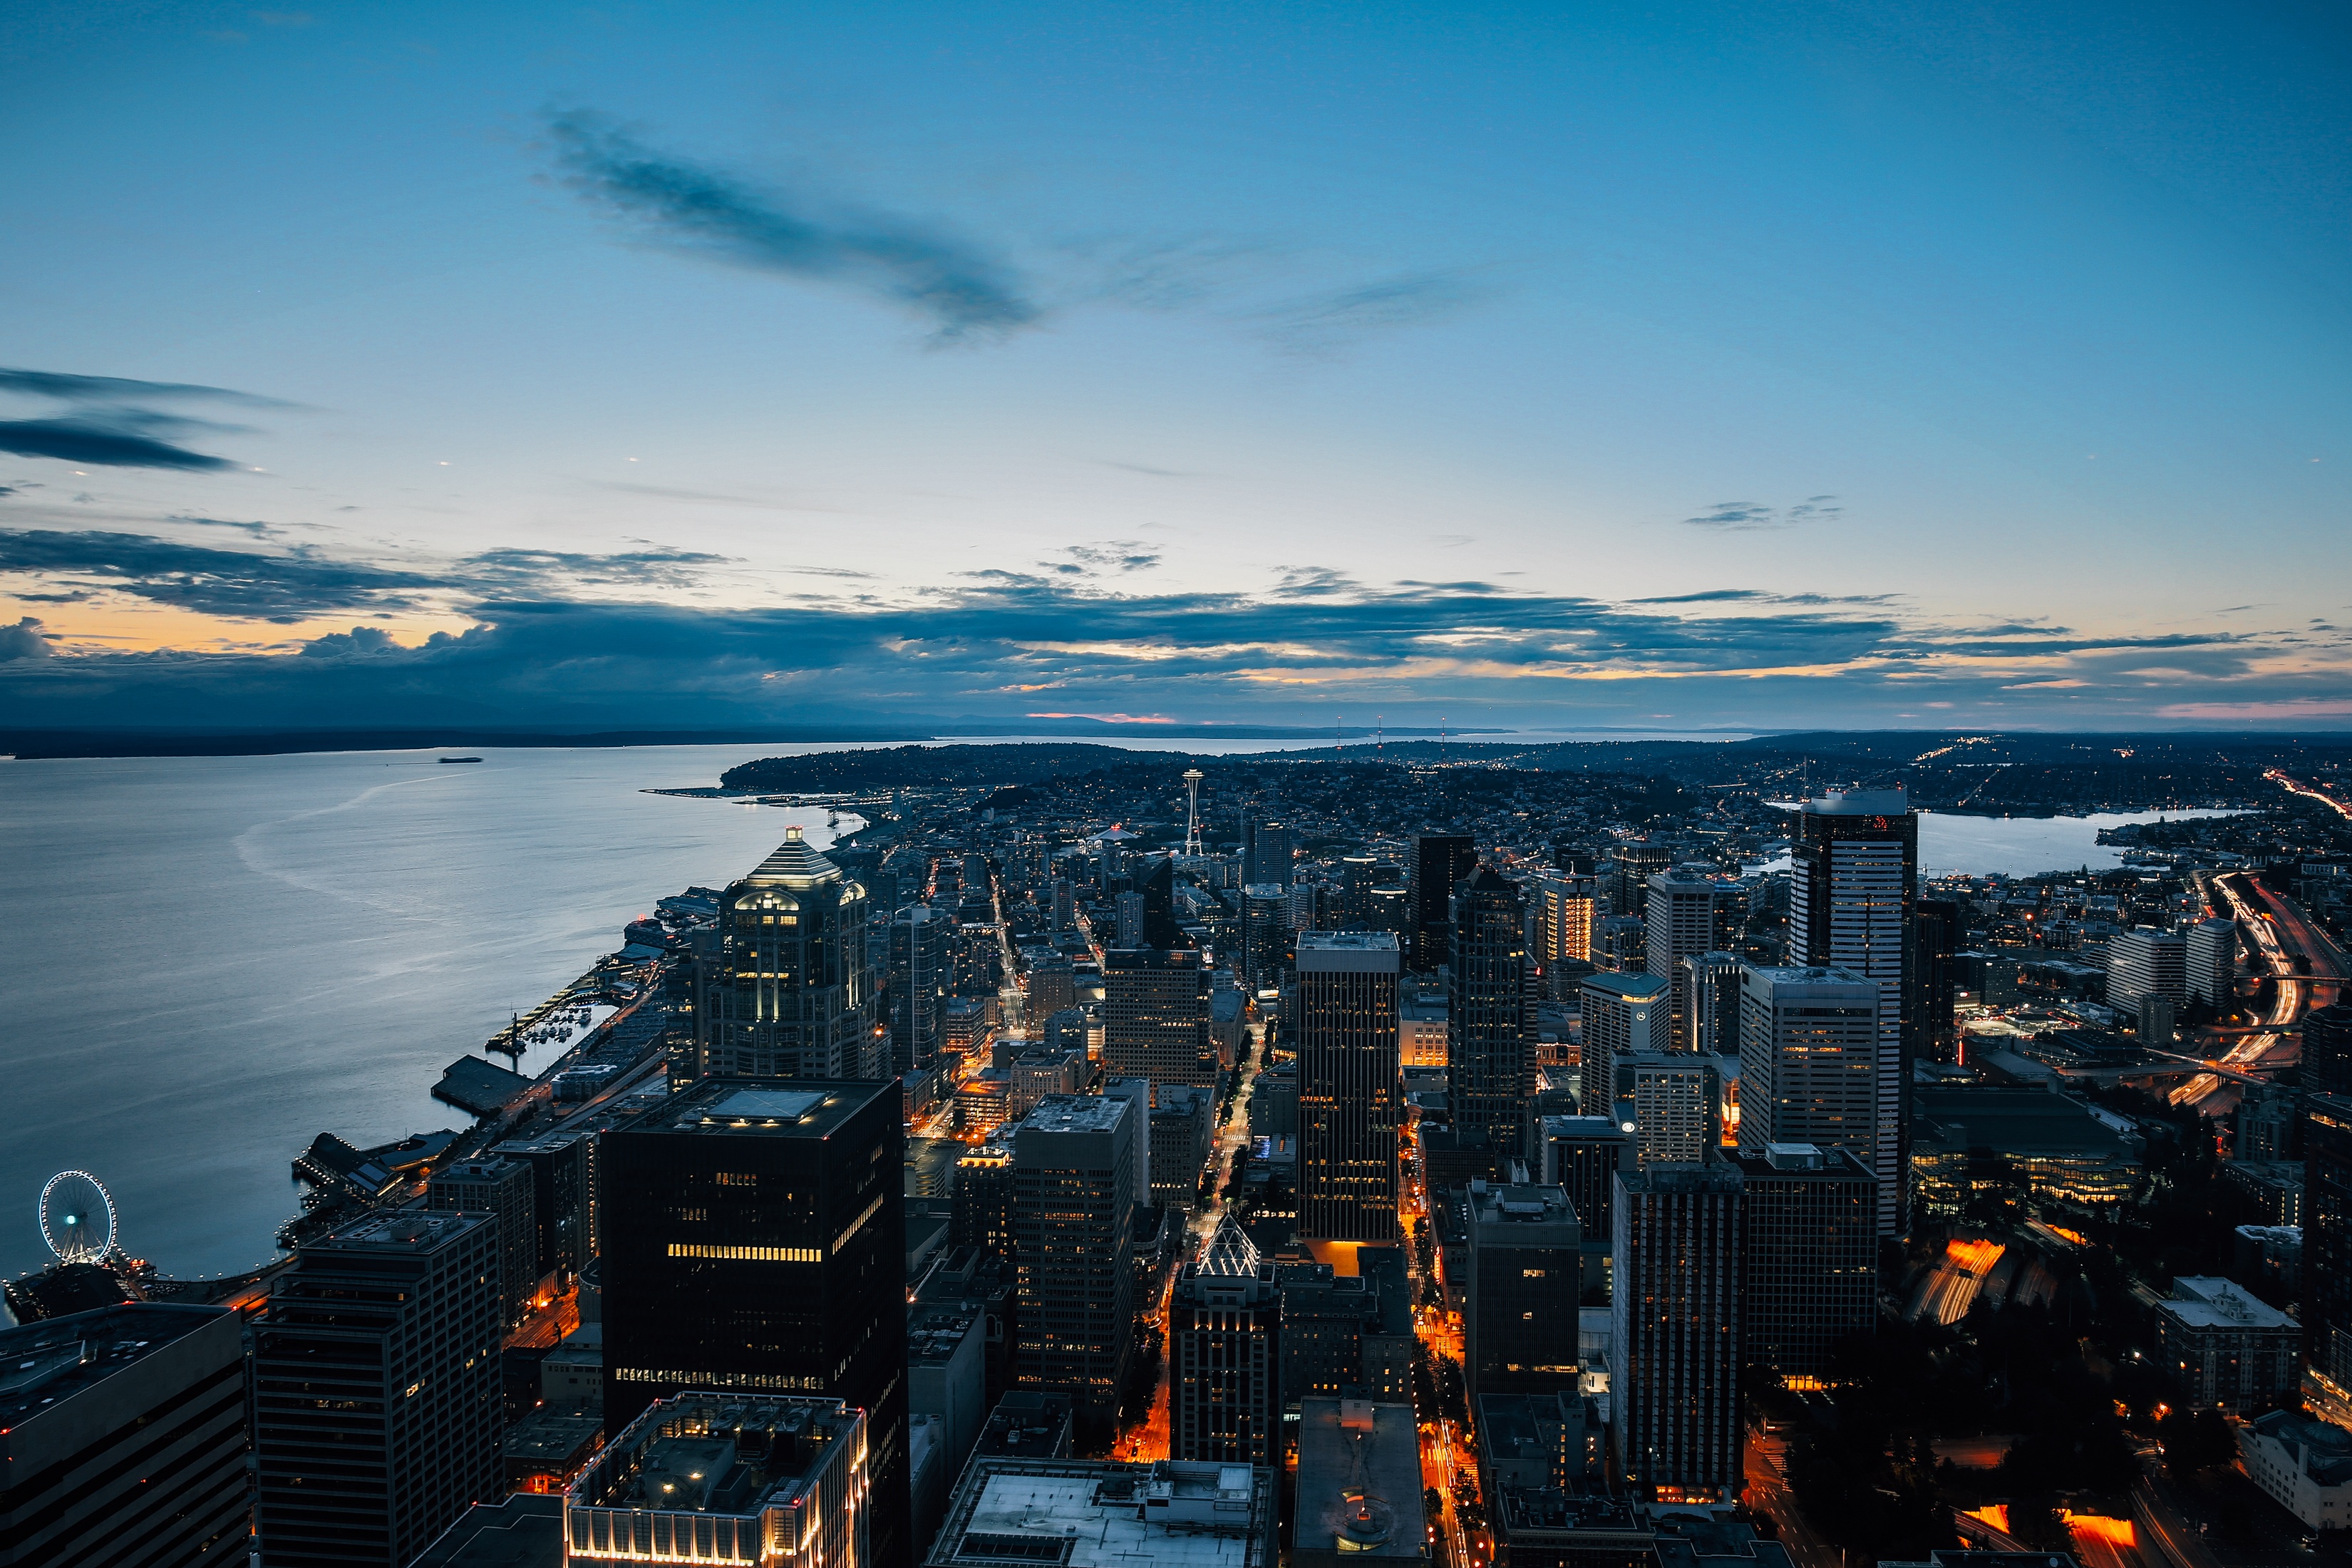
[
  {"x": 1491, "y": 1025},
  {"x": 2327, "y": 1049},
  {"x": 753, "y": 1240},
  {"x": 1809, "y": 1264},
  {"x": 122, "y": 1438},
  {"x": 376, "y": 1410},
  {"x": 2327, "y": 1247},
  {"x": 1439, "y": 861},
  {"x": 1936, "y": 937},
  {"x": 1349, "y": 1091},
  {"x": 1158, "y": 887}
]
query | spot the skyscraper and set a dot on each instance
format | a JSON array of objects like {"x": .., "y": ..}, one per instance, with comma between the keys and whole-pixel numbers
[
  {"x": 1490, "y": 1022},
  {"x": 789, "y": 991},
  {"x": 2212, "y": 962},
  {"x": 376, "y": 1411},
  {"x": 2327, "y": 1049},
  {"x": 2328, "y": 1249},
  {"x": 922, "y": 975},
  {"x": 1850, "y": 890},
  {"x": 122, "y": 1437},
  {"x": 1565, "y": 911},
  {"x": 1072, "y": 1175},
  {"x": 2144, "y": 963},
  {"x": 1631, "y": 865},
  {"x": 1224, "y": 1355},
  {"x": 754, "y": 1243},
  {"x": 1938, "y": 935},
  {"x": 1809, "y": 1041},
  {"x": 1265, "y": 933},
  {"x": 502, "y": 1189},
  {"x": 1158, "y": 886},
  {"x": 1156, "y": 1016},
  {"x": 1527, "y": 1265},
  {"x": 1622, "y": 1012},
  {"x": 1581, "y": 1156},
  {"x": 1676, "y": 1100},
  {"x": 1674, "y": 1332},
  {"x": 1711, "y": 983},
  {"x": 1808, "y": 1245},
  {"x": 1268, "y": 849},
  {"x": 1679, "y": 921},
  {"x": 1439, "y": 861},
  {"x": 1350, "y": 1095}
]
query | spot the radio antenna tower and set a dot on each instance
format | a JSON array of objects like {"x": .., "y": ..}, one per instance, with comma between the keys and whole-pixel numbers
[
  {"x": 1192, "y": 777},
  {"x": 1380, "y": 734}
]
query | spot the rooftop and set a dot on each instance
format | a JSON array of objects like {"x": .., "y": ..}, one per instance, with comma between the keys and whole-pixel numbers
[
  {"x": 778, "y": 1107},
  {"x": 935, "y": 1333},
  {"x": 401, "y": 1230},
  {"x": 795, "y": 863},
  {"x": 1860, "y": 803},
  {"x": 1358, "y": 1480},
  {"x": 1097, "y": 1514},
  {"x": 1494, "y": 1207},
  {"x": 526, "y": 1531},
  {"x": 2026, "y": 1123},
  {"x": 1076, "y": 1113},
  {"x": 717, "y": 1453},
  {"x": 1627, "y": 984},
  {"x": 51, "y": 1361},
  {"x": 2204, "y": 1302},
  {"x": 1027, "y": 1425}
]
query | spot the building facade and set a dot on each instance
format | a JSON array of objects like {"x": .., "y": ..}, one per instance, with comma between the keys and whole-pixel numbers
[
  {"x": 1073, "y": 1173},
  {"x": 1156, "y": 1016},
  {"x": 1675, "y": 1332},
  {"x": 1526, "y": 1272},
  {"x": 1350, "y": 1094},
  {"x": 1809, "y": 1044},
  {"x": 1809, "y": 1256},
  {"x": 2227, "y": 1348},
  {"x": 376, "y": 1407},
  {"x": 789, "y": 988},
  {"x": 503, "y": 1189},
  {"x": 922, "y": 977},
  {"x": 756, "y": 1246},
  {"x": 1678, "y": 919},
  {"x": 122, "y": 1437},
  {"x": 1622, "y": 1011},
  {"x": 1224, "y": 1355},
  {"x": 1490, "y": 1046},
  {"x": 1852, "y": 889}
]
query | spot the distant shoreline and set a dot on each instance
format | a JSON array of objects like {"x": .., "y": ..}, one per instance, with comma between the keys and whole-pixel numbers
[{"x": 50, "y": 745}]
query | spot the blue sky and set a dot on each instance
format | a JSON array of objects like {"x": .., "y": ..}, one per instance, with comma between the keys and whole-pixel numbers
[{"x": 1829, "y": 364}]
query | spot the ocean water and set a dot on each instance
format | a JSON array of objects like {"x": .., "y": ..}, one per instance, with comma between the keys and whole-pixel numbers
[{"x": 205, "y": 961}]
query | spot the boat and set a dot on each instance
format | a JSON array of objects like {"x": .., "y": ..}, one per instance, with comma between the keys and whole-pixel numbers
[{"x": 461, "y": 759}]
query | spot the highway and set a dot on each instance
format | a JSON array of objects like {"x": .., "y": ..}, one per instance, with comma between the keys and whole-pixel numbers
[{"x": 2278, "y": 934}]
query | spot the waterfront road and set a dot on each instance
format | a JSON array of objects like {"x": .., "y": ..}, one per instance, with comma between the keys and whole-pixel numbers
[{"x": 2307, "y": 968}]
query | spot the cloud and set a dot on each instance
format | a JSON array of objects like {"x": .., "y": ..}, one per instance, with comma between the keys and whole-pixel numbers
[
  {"x": 1735, "y": 516},
  {"x": 542, "y": 654},
  {"x": 23, "y": 640},
  {"x": 1117, "y": 554},
  {"x": 305, "y": 582},
  {"x": 259, "y": 530},
  {"x": 964, "y": 292},
  {"x": 112, "y": 389},
  {"x": 99, "y": 444},
  {"x": 1319, "y": 324}
]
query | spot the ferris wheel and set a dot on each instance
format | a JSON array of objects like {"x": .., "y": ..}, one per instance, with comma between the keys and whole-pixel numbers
[{"x": 77, "y": 1218}]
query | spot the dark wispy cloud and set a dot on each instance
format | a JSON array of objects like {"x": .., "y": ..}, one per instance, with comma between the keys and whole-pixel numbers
[
  {"x": 957, "y": 286},
  {"x": 305, "y": 582},
  {"x": 1737, "y": 515},
  {"x": 1112, "y": 556},
  {"x": 106, "y": 423},
  {"x": 115, "y": 389},
  {"x": 99, "y": 443}
]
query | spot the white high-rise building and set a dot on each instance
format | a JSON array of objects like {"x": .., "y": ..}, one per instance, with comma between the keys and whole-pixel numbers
[
  {"x": 1809, "y": 1043},
  {"x": 1853, "y": 885},
  {"x": 1622, "y": 1012},
  {"x": 2146, "y": 963},
  {"x": 1681, "y": 921},
  {"x": 2210, "y": 953}
]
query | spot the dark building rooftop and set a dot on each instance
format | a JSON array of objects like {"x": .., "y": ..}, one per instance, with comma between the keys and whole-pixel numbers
[
  {"x": 47, "y": 1363},
  {"x": 1028, "y": 1426},
  {"x": 789, "y": 1107},
  {"x": 524, "y": 1532}
]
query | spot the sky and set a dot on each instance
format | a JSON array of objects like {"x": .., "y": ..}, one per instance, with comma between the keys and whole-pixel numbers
[{"x": 1825, "y": 364}]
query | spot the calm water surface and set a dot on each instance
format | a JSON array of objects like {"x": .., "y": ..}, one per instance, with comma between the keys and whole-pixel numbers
[{"x": 206, "y": 961}]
